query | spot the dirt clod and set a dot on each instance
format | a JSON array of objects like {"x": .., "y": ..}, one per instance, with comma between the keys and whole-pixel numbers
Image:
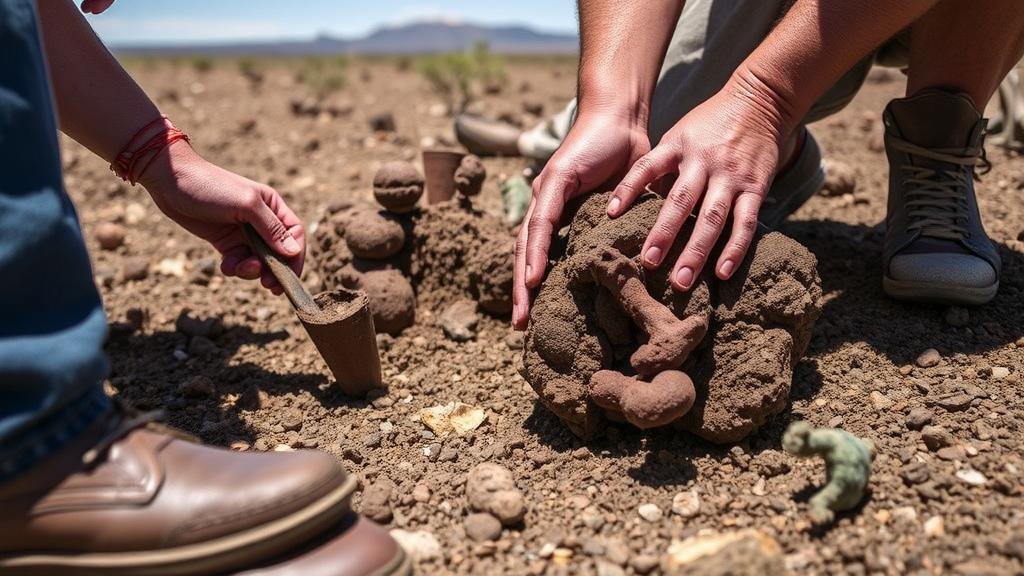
[
  {"x": 110, "y": 236},
  {"x": 459, "y": 320},
  {"x": 398, "y": 186},
  {"x": 470, "y": 176},
  {"x": 392, "y": 300},
  {"x": 482, "y": 527},
  {"x": 376, "y": 502},
  {"x": 491, "y": 488},
  {"x": 840, "y": 178},
  {"x": 374, "y": 235},
  {"x": 759, "y": 325}
]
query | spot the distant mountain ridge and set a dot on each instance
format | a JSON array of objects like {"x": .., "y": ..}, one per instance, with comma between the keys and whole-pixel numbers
[{"x": 426, "y": 37}]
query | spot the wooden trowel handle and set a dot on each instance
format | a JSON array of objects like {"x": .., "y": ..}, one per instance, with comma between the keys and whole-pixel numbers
[{"x": 297, "y": 293}]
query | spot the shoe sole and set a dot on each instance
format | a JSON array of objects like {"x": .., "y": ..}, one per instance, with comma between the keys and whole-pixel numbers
[
  {"x": 211, "y": 557},
  {"x": 400, "y": 565},
  {"x": 934, "y": 293}
]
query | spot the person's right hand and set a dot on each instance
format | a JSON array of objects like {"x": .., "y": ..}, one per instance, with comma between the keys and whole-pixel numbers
[{"x": 600, "y": 147}]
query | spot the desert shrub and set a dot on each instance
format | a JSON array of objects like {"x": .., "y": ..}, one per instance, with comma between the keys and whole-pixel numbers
[
  {"x": 324, "y": 75},
  {"x": 201, "y": 64},
  {"x": 457, "y": 76}
]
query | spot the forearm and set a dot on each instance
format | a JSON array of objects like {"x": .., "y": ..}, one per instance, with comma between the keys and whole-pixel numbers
[
  {"x": 99, "y": 104},
  {"x": 812, "y": 47},
  {"x": 622, "y": 45}
]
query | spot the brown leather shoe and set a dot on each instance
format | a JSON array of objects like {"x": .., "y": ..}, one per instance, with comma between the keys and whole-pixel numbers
[
  {"x": 485, "y": 137},
  {"x": 125, "y": 499},
  {"x": 357, "y": 547}
]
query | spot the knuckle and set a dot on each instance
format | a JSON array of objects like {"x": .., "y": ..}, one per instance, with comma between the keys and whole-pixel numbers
[{"x": 716, "y": 215}]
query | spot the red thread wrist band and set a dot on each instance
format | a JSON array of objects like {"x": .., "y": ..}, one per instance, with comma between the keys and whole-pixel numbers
[{"x": 126, "y": 164}]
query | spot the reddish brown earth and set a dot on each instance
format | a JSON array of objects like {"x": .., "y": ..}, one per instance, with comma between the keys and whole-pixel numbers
[{"x": 241, "y": 372}]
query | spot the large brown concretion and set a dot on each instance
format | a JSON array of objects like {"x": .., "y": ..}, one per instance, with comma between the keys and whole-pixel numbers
[
  {"x": 758, "y": 324},
  {"x": 670, "y": 340},
  {"x": 663, "y": 400}
]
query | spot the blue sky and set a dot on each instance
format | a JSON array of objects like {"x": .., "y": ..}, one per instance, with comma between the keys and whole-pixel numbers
[{"x": 148, "y": 21}]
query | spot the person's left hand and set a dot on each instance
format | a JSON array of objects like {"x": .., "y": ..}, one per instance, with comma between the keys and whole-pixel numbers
[
  {"x": 95, "y": 6},
  {"x": 214, "y": 204},
  {"x": 725, "y": 153}
]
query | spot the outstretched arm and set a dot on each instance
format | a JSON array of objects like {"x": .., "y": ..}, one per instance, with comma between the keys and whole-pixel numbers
[
  {"x": 622, "y": 45},
  {"x": 101, "y": 107},
  {"x": 726, "y": 150}
]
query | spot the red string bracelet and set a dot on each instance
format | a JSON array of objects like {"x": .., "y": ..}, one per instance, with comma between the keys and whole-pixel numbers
[{"x": 126, "y": 164}]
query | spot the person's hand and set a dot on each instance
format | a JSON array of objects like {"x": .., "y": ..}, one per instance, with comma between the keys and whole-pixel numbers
[
  {"x": 725, "y": 153},
  {"x": 95, "y": 6},
  {"x": 213, "y": 204},
  {"x": 599, "y": 148}
]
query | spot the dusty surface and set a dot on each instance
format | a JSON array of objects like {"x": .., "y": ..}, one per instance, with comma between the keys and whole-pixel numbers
[
  {"x": 253, "y": 381},
  {"x": 750, "y": 330}
]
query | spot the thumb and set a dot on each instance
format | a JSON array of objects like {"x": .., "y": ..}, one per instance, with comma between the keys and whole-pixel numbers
[{"x": 272, "y": 230}]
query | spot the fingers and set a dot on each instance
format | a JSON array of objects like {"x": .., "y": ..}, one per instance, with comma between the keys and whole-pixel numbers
[
  {"x": 277, "y": 225},
  {"x": 679, "y": 203},
  {"x": 520, "y": 293},
  {"x": 744, "y": 225},
  {"x": 549, "y": 200},
  {"x": 711, "y": 220},
  {"x": 647, "y": 169},
  {"x": 95, "y": 6}
]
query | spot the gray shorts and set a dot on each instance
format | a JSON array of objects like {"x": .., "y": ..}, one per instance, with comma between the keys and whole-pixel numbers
[{"x": 710, "y": 41}]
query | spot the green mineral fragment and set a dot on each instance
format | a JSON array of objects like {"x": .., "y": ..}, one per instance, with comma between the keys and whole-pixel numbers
[
  {"x": 848, "y": 465},
  {"x": 516, "y": 193}
]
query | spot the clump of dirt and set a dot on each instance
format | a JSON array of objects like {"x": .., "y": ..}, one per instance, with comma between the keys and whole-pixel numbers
[
  {"x": 449, "y": 251},
  {"x": 757, "y": 325},
  {"x": 374, "y": 235},
  {"x": 392, "y": 299},
  {"x": 398, "y": 186},
  {"x": 470, "y": 176}
]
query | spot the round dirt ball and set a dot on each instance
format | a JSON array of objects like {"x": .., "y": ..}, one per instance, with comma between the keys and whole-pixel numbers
[
  {"x": 392, "y": 300},
  {"x": 398, "y": 186},
  {"x": 470, "y": 175},
  {"x": 374, "y": 235}
]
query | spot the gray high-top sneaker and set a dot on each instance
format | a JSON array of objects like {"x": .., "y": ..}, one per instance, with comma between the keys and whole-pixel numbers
[{"x": 936, "y": 249}]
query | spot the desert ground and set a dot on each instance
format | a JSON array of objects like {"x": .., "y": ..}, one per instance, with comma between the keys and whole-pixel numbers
[{"x": 949, "y": 501}]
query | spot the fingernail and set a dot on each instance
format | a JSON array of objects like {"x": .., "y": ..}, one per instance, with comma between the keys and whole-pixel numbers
[
  {"x": 529, "y": 271},
  {"x": 653, "y": 256},
  {"x": 291, "y": 245},
  {"x": 726, "y": 268},
  {"x": 613, "y": 206},
  {"x": 684, "y": 277}
]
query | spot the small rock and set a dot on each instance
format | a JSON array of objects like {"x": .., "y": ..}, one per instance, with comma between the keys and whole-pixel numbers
[
  {"x": 686, "y": 504},
  {"x": 372, "y": 440},
  {"x": 482, "y": 527},
  {"x": 291, "y": 418},
  {"x": 382, "y": 122},
  {"x": 605, "y": 568},
  {"x": 421, "y": 493},
  {"x": 936, "y": 437},
  {"x": 745, "y": 552},
  {"x": 202, "y": 347},
  {"x": 957, "y": 317},
  {"x": 971, "y": 476},
  {"x": 420, "y": 545},
  {"x": 905, "y": 514},
  {"x": 491, "y": 488},
  {"x": 915, "y": 473},
  {"x": 649, "y": 512},
  {"x": 376, "y": 503},
  {"x": 459, "y": 320},
  {"x": 1000, "y": 372},
  {"x": 952, "y": 402},
  {"x": 205, "y": 327},
  {"x": 197, "y": 386},
  {"x": 134, "y": 269},
  {"x": 110, "y": 236},
  {"x": 644, "y": 563},
  {"x": 929, "y": 358},
  {"x": 919, "y": 418},
  {"x": 951, "y": 453},
  {"x": 879, "y": 401},
  {"x": 934, "y": 527},
  {"x": 840, "y": 179},
  {"x": 432, "y": 451}
]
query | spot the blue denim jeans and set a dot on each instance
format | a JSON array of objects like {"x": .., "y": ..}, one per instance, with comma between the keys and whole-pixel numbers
[{"x": 52, "y": 324}]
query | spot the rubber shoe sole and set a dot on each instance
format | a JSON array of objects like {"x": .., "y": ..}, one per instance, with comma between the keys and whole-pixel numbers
[
  {"x": 932, "y": 293},
  {"x": 211, "y": 557}
]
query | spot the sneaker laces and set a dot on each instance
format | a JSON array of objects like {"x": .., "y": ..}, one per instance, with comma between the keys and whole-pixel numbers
[
  {"x": 936, "y": 198},
  {"x": 125, "y": 420}
]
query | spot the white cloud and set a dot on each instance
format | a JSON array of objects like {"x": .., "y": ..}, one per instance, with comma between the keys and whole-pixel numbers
[
  {"x": 424, "y": 13},
  {"x": 171, "y": 30}
]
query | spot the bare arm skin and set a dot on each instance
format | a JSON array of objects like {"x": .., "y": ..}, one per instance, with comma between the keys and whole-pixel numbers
[
  {"x": 101, "y": 107},
  {"x": 622, "y": 47},
  {"x": 726, "y": 150}
]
